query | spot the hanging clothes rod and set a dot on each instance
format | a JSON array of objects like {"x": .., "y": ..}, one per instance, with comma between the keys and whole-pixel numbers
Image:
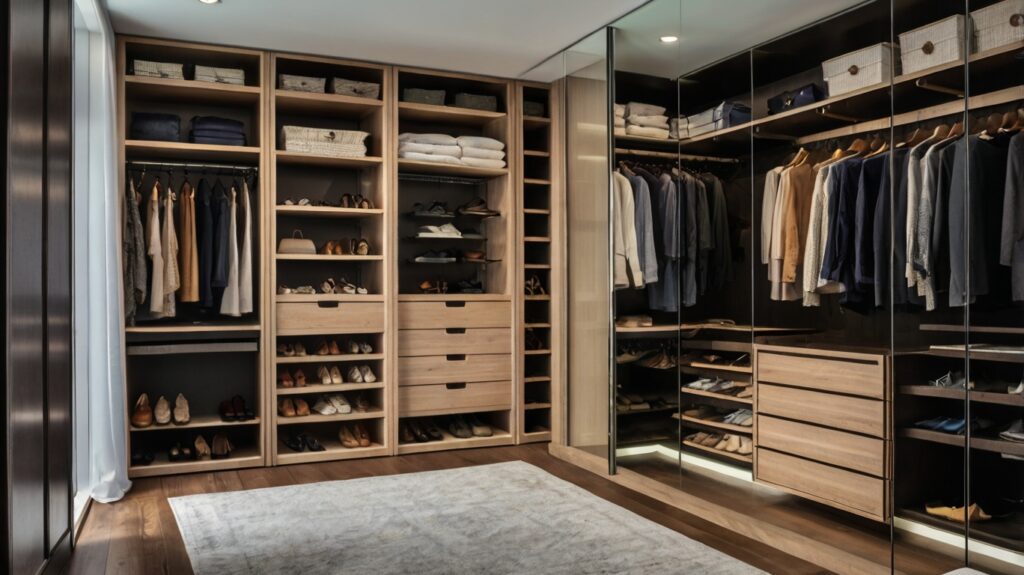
[
  {"x": 194, "y": 166},
  {"x": 671, "y": 156}
]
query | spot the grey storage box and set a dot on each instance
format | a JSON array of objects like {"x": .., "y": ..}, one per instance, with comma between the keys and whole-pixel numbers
[
  {"x": 937, "y": 43},
  {"x": 158, "y": 69},
  {"x": 998, "y": 25},
  {"x": 354, "y": 88},
  {"x": 232, "y": 76},
  {"x": 301, "y": 83},
  {"x": 533, "y": 108},
  {"x": 323, "y": 142},
  {"x": 421, "y": 96},
  {"x": 859, "y": 69},
  {"x": 477, "y": 102}
]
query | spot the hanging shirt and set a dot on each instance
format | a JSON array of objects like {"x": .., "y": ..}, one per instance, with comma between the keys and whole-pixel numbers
[
  {"x": 229, "y": 304},
  {"x": 156, "y": 253},
  {"x": 664, "y": 295},
  {"x": 644, "y": 226},
  {"x": 691, "y": 239},
  {"x": 205, "y": 221},
  {"x": 817, "y": 237},
  {"x": 720, "y": 261},
  {"x": 868, "y": 187},
  {"x": 189, "y": 253},
  {"x": 923, "y": 268},
  {"x": 221, "y": 225},
  {"x": 245, "y": 303},
  {"x": 169, "y": 241},
  {"x": 1011, "y": 245},
  {"x": 771, "y": 189},
  {"x": 620, "y": 275},
  {"x": 939, "y": 252},
  {"x": 134, "y": 252},
  {"x": 915, "y": 186},
  {"x": 705, "y": 241}
]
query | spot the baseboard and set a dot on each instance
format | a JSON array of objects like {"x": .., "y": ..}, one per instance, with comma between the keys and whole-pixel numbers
[{"x": 60, "y": 556}]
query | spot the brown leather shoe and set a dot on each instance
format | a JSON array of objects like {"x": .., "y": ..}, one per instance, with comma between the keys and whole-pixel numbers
[
  {"x": 181, "y": 412},
  {"x": 323, "y": 349},
  {"x": 284, "y": 379},
  {"x": 348, "y": 440},
  {"x": 404, "y": 435},
  {"x": 362, "y": 435},
  {"x": 286, "y": 408},
  {"x": 300, "y": 378},
  {"x": 143, "y": 414},
  {"x": 301, "y": 407},
  {"x": 162, "y": 411},
  {"x": 202, "y": 449},
  {"x": 222, "y": 447}
]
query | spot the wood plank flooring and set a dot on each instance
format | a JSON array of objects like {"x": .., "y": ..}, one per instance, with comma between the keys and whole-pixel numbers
[{"x": 139, "y": 534}]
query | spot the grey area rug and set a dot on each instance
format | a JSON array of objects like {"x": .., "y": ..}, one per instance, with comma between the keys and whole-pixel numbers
[{"x": 503, "y": 518}]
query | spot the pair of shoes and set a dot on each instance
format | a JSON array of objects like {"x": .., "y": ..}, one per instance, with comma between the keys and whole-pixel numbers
[
  {"x": 439, "y": 286},
  {"x": 332, "y": 404},
  {"x": 468, "y": 426},
  {"x": 346, "y": 247},
  {"x": 361, "y": 374},
  {"x": 329, "y": 375},
  {"x": 419, "y": 431},
  {"x": 743, "y": 417},
  {"x": 328, "y": 348},
  {"x": 305, "y": 290},
  {"x": 144, "y": 415},
  {"x": 437, "y": 257},
  {"x": 730, "y": 443},
  {"x": 177, "y": 452},
  {"x": 234, "y": 409},
  {"x": 352, "y": 347},
  {"x": 434, "y": 210},
  {"x": 291, "y": 349},
  {"x": 442, "y": 231},
  {"x": 289, "y": 407},
  {"x": 357, "y": 201},
  {"x": 303, "y": 442},
  {"x": 291, "y": 202},
  {"x": 342, "y": 286},
  {"x": 469, "y": 286},
  {"x": 285, "y": 379},
  {"x": 201, "y": 449},
  {"x": 534, "y": 286},
  {"x": 478, "y": 207},
  {"x": 973, "y": 512},
  {"x": 142, "y": 457},
  {"x": 356, "y": 436}
]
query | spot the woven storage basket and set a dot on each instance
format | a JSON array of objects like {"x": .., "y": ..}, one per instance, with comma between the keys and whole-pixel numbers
[
  {"x": 354, "y": 88},
  {"x": 932, "y": 45},
  {"x": 533, "y": 108},
  {"x": 301, "y": 83},
  {"x": 338, "y": 143},
  {"x": 158, "y": 69},
  {"x": 233, "y": 76},
  {"x": 858, "y": 69},
  {"x": 477, "y": 102},
  {"x": 421, "y": 96},
  {"x": 998, "y": 25}
]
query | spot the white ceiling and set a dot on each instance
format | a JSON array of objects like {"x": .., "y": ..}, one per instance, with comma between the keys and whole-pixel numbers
[{"x": 494, "y": 37}]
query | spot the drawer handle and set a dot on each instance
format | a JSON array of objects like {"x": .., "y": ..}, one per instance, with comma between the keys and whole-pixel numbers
[
  {"x": 456, "y": 357},
  {"x": 328, "y": 304},
  {"x": 853, "y": 70},
  {"x": 454, "y": 304},
  {"x": 461, "y": 385},
  {"x": 1017, "y": 20},
  {"x": 928, "y": 47},
  {"x": 456, "y": 330}
]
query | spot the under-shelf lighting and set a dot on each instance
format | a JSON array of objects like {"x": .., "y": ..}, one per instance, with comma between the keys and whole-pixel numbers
[
  {"x": 210, "y": 1},
  {"x": 669, "y": 39}
]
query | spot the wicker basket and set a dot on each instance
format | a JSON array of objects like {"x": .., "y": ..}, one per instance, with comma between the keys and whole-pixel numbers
[
  {"x": 301, "y": 83},
  {"x": 865, "y": 67},
  {"x": 353, "y": 88},
  {"x": 998, "y": 25},
  {"x": 335, "y": 143},
  {"x": 932, "y": 45},
  {"x": 232, "y": 76},
  {"x": 158, "y": 69}
]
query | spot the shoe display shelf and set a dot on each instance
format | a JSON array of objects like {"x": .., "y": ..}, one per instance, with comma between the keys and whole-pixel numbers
[
  {"x": 317, "y": 196},
  {"x": 204, "y": 356}
]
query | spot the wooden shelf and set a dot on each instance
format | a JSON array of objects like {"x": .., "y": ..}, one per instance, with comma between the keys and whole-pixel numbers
[
  {"x": 537, "y": 352},
  {"x": 322, "y": 104},
  {"x": 537, "y": 379},
  {"x": 719, "y": 396},
  {"x": 537, "y": 266},
  {"x": 326, "y": 258},
  {"x": 536, "y": 182},
  {"x": 733, "y": 456},
  {"x": 536, "y": 239},
  {"x": 649, "y": 410},
  {"x": 334, "y": 452},
  {"x": 536, "y": 436},
  {"x": 534, "y": 122},
  {"x": 453, "y": 297},
  {"x": 536, "y": 212},
  {"x": 446, "y": 114},
  {"x": 240, "y": 458},
  {"x": 500, "y": 437},
  {"x": 1002, "y": 532},
  {"x": 326, "y": 212},
  {"x": 303, "y": 159},
  {"x": 197, "y": 422},
  {"x": 164, "y": 89},
  {"x": 536, "y": 154},
  {"x": 992, "y": 444},
  {"x": 992, "y": 397},
  {"x": 715, "y": 424},
  {"x": 537, "y": 325},
  {"x": 170, "y": 329},
  {"x": 719, "y": 367},
  {"x": 536, "y": 405},
  {"x": 537, "y": 297},
  {"x": 345, "y": 357},
  {"x": 416, "y": 166},
  {"x": 302, "y": 297},
  {"x": 657, "y": 142},
  {"x": 156, "y": 150},
  {"x": 333, "y": 388},
  {"x": 373, "y": 413},
  {"x": 977, "y": 354},
  {"x": 960, "y": 328}
]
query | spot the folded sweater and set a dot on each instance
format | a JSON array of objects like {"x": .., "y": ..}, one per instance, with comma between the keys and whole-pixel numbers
[
  {"x": 483, "y": 153},
  {"x": 439, "y": 139},
  {"x": 453, "y": 151},
  {"x": 480, "y": 142},
  {"x": 651, "y": 121},
  {"x": 638, "y": 109},
  {"x": 660, "y": 133}
]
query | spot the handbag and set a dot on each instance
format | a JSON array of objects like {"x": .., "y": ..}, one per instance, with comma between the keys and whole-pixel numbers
[
  {"x": 296, "y": 245},
  {"x": 152, "y": 126},
  {"x": 790, "y": 99}
]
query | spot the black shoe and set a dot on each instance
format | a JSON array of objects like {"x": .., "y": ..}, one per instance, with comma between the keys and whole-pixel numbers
[
  {"x": 174, "y": 453},
  {"x": 295, "y": 443},
  {"x": 142, "y": 457},
  {"x": 459, "y": 428},
  {"x": 418, "y": 433},
  {"x": 432, "y": 430},
  {"x": 311, "y": 443}
]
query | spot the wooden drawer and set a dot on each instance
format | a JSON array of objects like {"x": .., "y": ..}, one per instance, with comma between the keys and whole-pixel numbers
[
  {"x": 443, "y": 314},
  {"x": 327, "y": 317},
  {"x": 417, "y": 342},
  {"x": 841, "y": 412},
  {"x": 856, "y": 452},
  {"x": 433, "y": 369},
  {"x": 856, "y": 492},
  {"x": 854, "y": 375},
  {"x": 454, "y": 398}
]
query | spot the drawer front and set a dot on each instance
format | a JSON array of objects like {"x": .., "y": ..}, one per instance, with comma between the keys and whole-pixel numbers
[
  {"x": 826, "y": 374},
  {"x": 848, "y": 450},
  {"x": 454, "y": 398},
  {"x": 831, "y": 485},
  {"x": 298, "y": 318},
  {"x": 434, "y": 369},
  {"x": 444, "y": 314},
  {"x": 841, "y": 412},
  {"x": 419, "y": 342}
]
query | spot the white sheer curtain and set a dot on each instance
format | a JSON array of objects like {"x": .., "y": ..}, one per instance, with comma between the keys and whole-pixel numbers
[{"x": 99, "y": 360}]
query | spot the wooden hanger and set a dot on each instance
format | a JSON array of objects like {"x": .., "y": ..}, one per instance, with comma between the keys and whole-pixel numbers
[
  {"x": 992, "y": 125},
  {"x": 956, "y": 131},
  {"x": 858, "y": 146},
  {"x": 940, "y": 133},
  {"x": 799, "y": 158},
  {"x": 917, "y": 137},
  {"x": 881, "y": 149}
]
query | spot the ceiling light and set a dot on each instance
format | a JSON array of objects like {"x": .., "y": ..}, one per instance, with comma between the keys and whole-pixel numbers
[
  {"x": 210, "y": 1},
  {"x": 664, "y": 39}
]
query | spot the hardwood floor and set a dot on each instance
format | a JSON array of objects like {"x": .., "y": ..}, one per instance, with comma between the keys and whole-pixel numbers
[{"x": 139, "y": 534}]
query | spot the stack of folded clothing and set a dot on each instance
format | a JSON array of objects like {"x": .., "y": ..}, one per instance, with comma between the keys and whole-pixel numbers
[
  {"x": 219, "y": 131},
  {"x": 620, "y": 120},
  {"x": 440, "y": 148},
  {"x": 678, "y": 128},
  {"x": 646, "y": 120},
  {"x": 482, "y": 152}
]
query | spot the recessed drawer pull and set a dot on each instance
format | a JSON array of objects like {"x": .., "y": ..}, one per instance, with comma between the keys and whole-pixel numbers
[
  {"x": 328, "y": 304},
  {"x": 454, "y": 304},
  {"x": 455, "y": 385},
  {"x": 455, "y": 330},
  {"x": 456, "y": 357}
]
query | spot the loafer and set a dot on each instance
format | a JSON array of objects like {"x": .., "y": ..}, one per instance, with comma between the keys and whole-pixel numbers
[
  {"x": 301, "y": 407},
  {"x": 162, "y": 411},
  {"x": 479, "y": 428},
  {"x": 295, "y": 443},
  {"x": 417, "y": 432},
  {"x": 222, "y": 447},
  {"x": 300, "y": 378},
  {"x": 142, "y": 457},
  {"x": 181, "y": 412},
  {"x": 311, "y": 443},
  {"x": 336, "y": 375},
  {"x": 227, "y": 411},
  {"x": 362, "y": 434},
  {"x": 367, "y": 374},
  {"x": 347, "y": 438},
  {"x": 286, "y": 408},
  {"x": 341, "y": 405},
  {"x": 354, "y": 375},
  {"x": 284, "y": 379},
  {"x": 459, "y": 428},
  {"x": 142, "y": 415},
  {"x": 362, "y": 404}
]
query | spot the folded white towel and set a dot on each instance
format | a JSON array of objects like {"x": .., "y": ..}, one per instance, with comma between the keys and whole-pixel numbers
[
  {"x": 480, "y": 142},
  {"x": 651, "y": 121},
  {"x": 436, "y": 158},
  {"x": 620, "y": 122},
  {"x": 620, "y": 110},
  {"x": 453, "y": 151},
  {"x": 483, "y": 163},
  {"x": 678, "y": 128},
  {"x": 620, "y": 131},
  {"x": 660, "y": 133},
  {"x": 483, "y": 153},
  {"x": 639, "y": 109},
  {"x": 439, "y": 139}
]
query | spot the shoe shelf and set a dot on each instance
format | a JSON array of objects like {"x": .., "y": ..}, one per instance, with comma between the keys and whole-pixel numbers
[
  {"x": 1013, "y": 399},
  {"x": 415, "y": 111},
  {"x": 700, "y": 365},
  {"x": 695, "y": 421},
  {"x": 620, "y": 413},
  {"x": 324, "y": 180},
  {"x": 241, "y": 458},
  {"x": 991, "y": 444},
  {"x": 186, "y": 329},
  {"x": 718, "y": 396},
  {"x": 500, "y": 437},
  {"x": 720, "y": 452},
  {"x": 197, "y": 422}
]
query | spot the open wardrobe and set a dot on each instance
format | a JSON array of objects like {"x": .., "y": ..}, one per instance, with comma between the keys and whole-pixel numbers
[{"x": 726, "y": 287}]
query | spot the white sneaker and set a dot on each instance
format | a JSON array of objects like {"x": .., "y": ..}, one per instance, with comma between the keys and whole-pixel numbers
[
  {"x": 367, "y": 374},
  {"x": 341, "y": 405},
  {"x": 354, "y": 375},
  {"x": 324, "y": 407}
]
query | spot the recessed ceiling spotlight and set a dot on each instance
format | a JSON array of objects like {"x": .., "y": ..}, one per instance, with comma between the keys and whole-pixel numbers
[
  {"x": 210, "y": 1},
  {"x": 664, "y": 39}
]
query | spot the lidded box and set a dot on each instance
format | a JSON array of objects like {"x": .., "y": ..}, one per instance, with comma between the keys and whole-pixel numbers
[
  {"x": 998, "y": 25},
  {"x": 323, "y": 142},
  {"x": 158, "y": 69},
  {"x": 858, "y": 69},
  {"x": 301, "y": 83},
  {"x": 932, "y": 45},
  {"x": 234, "y": 76}
]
